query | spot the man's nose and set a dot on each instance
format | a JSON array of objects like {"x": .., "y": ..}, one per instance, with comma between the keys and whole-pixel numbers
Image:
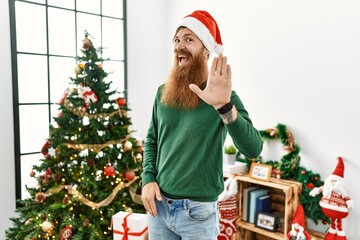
[{"x": 180, "y": 45}]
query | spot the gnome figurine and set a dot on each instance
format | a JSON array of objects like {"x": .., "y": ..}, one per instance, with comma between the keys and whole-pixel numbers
[
  {"x": 298, "y": 229},
  {"x": 335, "y": 202}
]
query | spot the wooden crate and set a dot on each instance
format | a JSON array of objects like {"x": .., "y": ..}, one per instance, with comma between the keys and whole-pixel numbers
[{"x": 285, "y": 194}]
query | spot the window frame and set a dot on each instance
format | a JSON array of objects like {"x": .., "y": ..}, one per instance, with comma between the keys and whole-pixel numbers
[{"x": 15, "y": 80}]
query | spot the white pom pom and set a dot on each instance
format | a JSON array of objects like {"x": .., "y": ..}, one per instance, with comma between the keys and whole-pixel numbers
[{"x": 218, "y": 49}]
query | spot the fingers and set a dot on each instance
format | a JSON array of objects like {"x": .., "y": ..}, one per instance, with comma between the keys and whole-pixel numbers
[
  {"x": 149, "y": 192},
  {"x": 219, "y": 66}
]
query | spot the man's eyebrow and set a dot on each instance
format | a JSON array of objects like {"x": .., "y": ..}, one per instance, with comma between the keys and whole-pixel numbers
[{"x": 185, "y": 35}]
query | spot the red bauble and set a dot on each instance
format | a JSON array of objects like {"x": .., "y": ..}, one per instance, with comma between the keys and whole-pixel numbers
[
  {"x": 129, "y": 175},
  {"x": 303, "y": 172},
  {"x": 109, "y": 171},
  {"x": 121, "y": 101},
  {"x": 310, "y": 186}
]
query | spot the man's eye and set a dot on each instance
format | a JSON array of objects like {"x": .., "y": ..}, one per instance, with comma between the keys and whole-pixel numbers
[
  {"x": 176, "y": 41},
  {"x": 189, "y": 40}
]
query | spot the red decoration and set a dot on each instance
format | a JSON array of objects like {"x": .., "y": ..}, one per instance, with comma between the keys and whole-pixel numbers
[
  {"x": 303, "y": 172},
  {"x": 227, "y": 209},
  {"x": 121, "y": 101},
  {"x": 40, "y": 197},
  {"x": 335, "y": 202},
  {"x": 109, "y": 171},
  {"x": 129, "y": 175},
  {"x": 45, "y": 148},
  {"x": 310, "y": 185},
  {"x": 66, "y": 233},
  {"x": 47, "y": 175},
  {"x": 298, "y": 226},
  {"x": 88, "y": 95}
]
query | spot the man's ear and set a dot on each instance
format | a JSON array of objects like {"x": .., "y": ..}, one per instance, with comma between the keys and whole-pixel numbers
[{"x": 206, "y": 52}]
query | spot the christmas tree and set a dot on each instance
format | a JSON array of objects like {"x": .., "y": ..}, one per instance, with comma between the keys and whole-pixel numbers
[{"x": 91, "y": 163}]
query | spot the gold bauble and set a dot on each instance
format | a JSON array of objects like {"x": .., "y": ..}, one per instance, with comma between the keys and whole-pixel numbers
[{"x": 46, "y": 226}]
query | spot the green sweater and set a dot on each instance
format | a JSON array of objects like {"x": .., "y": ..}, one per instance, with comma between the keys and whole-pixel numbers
[{"x": 183, "y": 148}]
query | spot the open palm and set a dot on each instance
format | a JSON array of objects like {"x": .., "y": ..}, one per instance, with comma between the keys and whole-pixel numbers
[{"x": 218, "y": 88}]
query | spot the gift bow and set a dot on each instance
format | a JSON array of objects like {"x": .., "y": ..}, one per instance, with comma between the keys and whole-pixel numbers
[{"x": 126, "y": 232}]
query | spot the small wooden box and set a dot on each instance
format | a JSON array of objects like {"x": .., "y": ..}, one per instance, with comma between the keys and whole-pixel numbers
[{"x": 285, "y": 195}]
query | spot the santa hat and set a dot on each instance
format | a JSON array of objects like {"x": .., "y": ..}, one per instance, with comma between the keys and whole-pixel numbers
[
  {"x": 339, "y": 170},
  {"x": 205, "y": 28},
  {"x": 299, "y": 216}
]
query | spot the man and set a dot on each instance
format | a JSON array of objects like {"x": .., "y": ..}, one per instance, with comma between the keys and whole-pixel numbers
[{"x": 192, "y": 114}]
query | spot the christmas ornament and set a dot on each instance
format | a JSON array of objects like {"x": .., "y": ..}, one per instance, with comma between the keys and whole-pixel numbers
[
  {"x": 121, "y": 101},
  {"x": 90, "y": 162},
  {"x": 86, "y": 222},
  {"x": 335, "y": 202},
  {"x": 139, "y": 157},
  {"x": 66, "y": 200},
  {"x": 47, "y": 175},
  {"x": 129, "y": 175},
  {"x": 40, "y": 197},
  {"x": 127, "y": 146},
  {"x": 109, "y": 171},
  {"x": 88, "y": 95},
  {"x": 27, "y": 222},
  {"x": 46, "y": 226},
  {"x": 86, "y": 43},
  {"x": 78, "y": 69},
  {"x": 44, "y": 149},
  {"x": 298, "y": 227},
  {"x": 310, "y": 185},
  {"x": 66, "y": 233}
]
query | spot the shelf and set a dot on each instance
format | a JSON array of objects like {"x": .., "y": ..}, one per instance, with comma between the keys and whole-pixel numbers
[
  {"x": 251, "y": 227},
  {"x": 287, "y": 194}
]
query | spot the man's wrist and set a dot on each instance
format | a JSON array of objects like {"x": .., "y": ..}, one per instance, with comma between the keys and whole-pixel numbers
[{"x": 226, "y": 108}]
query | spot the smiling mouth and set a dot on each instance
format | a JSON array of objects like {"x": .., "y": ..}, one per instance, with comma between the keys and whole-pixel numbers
[{"x": 182, "y": 59}]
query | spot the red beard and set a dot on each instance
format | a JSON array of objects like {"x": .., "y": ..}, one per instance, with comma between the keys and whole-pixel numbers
[{"x": 177, "y": 93}]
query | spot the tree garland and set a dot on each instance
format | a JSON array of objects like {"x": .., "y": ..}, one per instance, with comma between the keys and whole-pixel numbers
[{"x": 288, "y": 167}]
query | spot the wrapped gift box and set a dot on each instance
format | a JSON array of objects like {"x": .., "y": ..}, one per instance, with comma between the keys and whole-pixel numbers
[{"x": 131, "y": 225}]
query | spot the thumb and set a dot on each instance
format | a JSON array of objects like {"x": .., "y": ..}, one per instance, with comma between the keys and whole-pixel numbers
[{"x": 195, "y": 89}]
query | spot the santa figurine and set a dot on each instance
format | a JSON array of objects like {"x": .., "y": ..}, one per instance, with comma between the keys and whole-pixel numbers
[
  {"x": 335, "y": 202},
  {"x": 298, "y": 231}
]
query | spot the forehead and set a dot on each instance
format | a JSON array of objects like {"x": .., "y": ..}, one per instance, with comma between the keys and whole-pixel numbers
[{"x": 184, "y": 32}]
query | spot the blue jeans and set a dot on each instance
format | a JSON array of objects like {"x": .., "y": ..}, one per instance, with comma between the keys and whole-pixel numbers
[{"x": 184, "y": 219}]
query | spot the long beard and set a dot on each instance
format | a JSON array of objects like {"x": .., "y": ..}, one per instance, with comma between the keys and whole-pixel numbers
[{"x": 177, "y": 93}]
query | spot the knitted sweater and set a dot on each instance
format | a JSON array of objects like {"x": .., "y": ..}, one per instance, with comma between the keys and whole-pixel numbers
[{"x": 183, "y": 148}]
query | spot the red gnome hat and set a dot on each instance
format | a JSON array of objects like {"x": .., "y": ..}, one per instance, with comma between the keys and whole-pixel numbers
[
  {"x": 206, "y": 29},
  {"x": 299, "y": 216},
  {"x": 339, "y": 170}
]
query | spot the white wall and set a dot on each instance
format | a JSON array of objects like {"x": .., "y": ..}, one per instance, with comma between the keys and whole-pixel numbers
[
  {"x": 7, "y": 168},
  {"x": 293, "y": 62}
]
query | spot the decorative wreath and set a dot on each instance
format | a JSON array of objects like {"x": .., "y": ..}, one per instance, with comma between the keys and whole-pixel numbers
[{"x": 287, "y": 162}]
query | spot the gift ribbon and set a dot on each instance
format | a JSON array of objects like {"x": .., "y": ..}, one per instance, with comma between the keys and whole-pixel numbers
[{"x": 126, "y": 232}]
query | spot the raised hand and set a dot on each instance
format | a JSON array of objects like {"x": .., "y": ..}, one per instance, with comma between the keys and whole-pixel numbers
[{"x": 218, "y": 88}]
